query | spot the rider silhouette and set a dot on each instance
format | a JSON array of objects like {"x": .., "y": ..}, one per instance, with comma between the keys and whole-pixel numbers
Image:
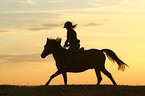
[{"x": 72, "y": 42}]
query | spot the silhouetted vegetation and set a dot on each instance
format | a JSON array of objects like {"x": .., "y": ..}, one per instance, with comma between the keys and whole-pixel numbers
[{"x": 72, "y": 90}]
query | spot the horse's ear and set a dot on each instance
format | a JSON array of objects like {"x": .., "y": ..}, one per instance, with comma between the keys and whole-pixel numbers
[{"x": 47, "y": 40}]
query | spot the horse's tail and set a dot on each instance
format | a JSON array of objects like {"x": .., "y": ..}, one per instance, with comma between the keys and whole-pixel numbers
[{"x": 113, "y": 57}]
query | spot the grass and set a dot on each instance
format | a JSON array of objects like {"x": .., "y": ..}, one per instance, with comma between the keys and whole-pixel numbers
[{"x": 72, "y": 90}]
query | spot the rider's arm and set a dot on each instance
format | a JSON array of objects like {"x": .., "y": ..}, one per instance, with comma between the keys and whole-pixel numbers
[{"x": 66, "y": 43}]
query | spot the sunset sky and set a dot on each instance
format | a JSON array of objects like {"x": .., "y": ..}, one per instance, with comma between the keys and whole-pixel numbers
[{"x": 118, "y": 25}]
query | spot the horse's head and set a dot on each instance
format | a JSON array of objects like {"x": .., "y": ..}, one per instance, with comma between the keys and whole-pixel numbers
[{"x": 51, "y": 45}]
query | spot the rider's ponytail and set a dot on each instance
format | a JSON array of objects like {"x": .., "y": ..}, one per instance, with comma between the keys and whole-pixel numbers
[{"x": 74, "y": 26}]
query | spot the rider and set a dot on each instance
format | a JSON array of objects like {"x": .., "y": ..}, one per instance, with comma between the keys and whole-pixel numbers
[{"x": 72, "y": 42}]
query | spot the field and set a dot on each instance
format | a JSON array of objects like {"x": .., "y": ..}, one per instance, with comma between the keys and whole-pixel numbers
[{"x": 72, "y": 90}]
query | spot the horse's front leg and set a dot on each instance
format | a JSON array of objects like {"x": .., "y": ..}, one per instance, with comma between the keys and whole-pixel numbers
[
  {"x": 64, "y": 77},
  {"x": 54, "y": 75}
]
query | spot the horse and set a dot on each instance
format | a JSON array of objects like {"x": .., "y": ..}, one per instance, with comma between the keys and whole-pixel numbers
[{"x": 83, "y": 60}]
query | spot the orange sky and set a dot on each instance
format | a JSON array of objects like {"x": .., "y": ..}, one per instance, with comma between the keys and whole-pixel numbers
[{"x": 117, "y": 25}]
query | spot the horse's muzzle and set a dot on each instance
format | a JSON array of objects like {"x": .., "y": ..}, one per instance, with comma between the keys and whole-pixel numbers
[{"x": 42, "y": 56}]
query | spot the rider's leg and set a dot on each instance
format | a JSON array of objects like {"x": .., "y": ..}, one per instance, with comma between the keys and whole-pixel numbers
[
  {"x": 73, "y": 47},
  {"x": 68, "y": 57}
]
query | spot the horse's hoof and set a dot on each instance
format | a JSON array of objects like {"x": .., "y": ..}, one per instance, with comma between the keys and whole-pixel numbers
[{"x": 46, "y": 85}]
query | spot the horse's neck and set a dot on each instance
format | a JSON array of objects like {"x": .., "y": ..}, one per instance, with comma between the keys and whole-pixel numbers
[{"x": 58, "y": 54}]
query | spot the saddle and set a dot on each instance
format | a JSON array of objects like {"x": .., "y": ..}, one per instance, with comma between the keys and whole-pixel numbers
[
  {"x": 75, "y": 57},
  {"x": 79, "y": 50}
]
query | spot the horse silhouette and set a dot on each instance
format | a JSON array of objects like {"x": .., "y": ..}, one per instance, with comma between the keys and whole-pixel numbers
[{"x": 83, "y": 60}]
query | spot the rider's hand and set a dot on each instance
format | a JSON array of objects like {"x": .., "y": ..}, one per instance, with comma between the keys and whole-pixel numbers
[{"x": 65, "y": 45}]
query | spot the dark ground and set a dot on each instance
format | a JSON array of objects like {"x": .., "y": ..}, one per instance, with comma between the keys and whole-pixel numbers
[{"x": 72, "y": 90}]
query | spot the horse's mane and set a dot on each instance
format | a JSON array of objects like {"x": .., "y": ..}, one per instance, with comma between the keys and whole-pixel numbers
[{"x": 56, "y": 40}]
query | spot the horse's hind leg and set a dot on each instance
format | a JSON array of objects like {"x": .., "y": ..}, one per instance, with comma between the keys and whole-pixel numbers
[
  {"x": 64, "y": 77},
  {"x": 109, "y": 75},
  {"x": 98, "y": 74}
]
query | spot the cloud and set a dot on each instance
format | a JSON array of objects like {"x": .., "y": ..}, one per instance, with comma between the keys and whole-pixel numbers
[
  {"x": 50, "y": 26},
  {"x": 55, "y": 1},
  {"x": 102, "y": 3},
  {"x": 99, "y": 3},
  {"x": 4, "y": 31},
  {"x": 92, "y": 24},
  {"x": 43, "y": 27},
  {"x": 24, "y": 1},
  {"x": 29, "y": 2},
  {"x": 21, "y": 58}
]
